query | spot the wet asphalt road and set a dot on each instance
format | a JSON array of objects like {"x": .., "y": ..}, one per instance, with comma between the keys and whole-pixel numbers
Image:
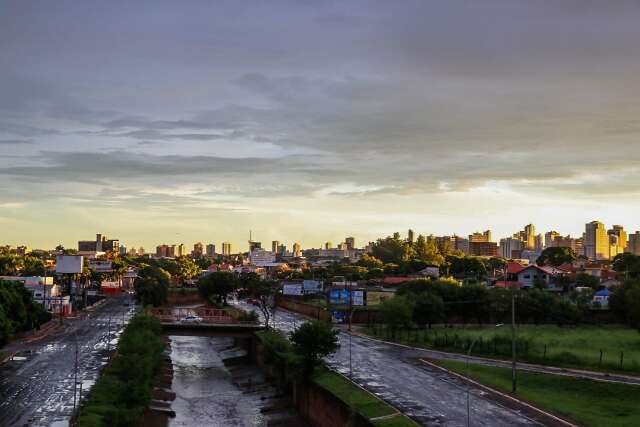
[
  {"x": 433, "y": 398},
  {"x": 36, "y": 389}
]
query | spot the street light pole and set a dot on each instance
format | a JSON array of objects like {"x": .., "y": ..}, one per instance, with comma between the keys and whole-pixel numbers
[{"x": 513, "y": 340}]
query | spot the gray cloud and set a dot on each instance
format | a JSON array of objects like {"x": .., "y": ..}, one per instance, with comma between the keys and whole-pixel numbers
[
  {"x": 419, "y": 98},
  {"x": 16, "y": 141}
]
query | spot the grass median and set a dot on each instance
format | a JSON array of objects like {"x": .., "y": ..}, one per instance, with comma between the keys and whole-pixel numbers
[
  {"x": 590, "y": 403},
  {"x": 360, "y": 400},
  {"x": 607, "y": 348}
]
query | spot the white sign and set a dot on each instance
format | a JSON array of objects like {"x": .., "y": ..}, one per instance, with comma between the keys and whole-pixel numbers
[
  {"x": 357, "y": 297},
  {"x": 69, "y": 264},
  {"x": 293, "y": 289}
]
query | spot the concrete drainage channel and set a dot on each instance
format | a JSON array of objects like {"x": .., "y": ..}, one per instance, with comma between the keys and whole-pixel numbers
[{"x": 210, "y": 381}]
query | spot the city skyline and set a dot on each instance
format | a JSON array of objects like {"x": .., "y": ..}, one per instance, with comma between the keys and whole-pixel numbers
[
  {"x": 529, "y": 238},
  {"x": 310, "y": 122}
]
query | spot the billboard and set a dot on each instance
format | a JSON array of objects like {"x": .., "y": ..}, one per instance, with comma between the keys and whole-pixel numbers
[
  {"x": 312, "y": 286},
  {"x": 101, "y": 266},
  {"x": 376, "y": 297},
  {"x": 292, "y": 289},
  {"x": 69, "y": 264},
  {"x": 357, "y": 297},
  {"x": 341, "y": 297}
]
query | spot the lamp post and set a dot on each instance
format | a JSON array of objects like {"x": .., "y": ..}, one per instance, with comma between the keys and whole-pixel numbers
[{"x": 468, "y": 376}]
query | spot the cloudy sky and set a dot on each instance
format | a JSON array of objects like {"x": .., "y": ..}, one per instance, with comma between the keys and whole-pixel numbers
[{"x": 179, "y": 121}]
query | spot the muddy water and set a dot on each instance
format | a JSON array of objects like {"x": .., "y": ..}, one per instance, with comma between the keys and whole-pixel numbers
[{"x": 205, "y": 392}]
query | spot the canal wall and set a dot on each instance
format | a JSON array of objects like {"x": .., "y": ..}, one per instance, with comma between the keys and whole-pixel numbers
[{"x": 317, "y": 405}]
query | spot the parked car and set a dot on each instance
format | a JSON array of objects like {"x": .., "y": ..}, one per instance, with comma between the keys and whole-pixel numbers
[{"x": 191, "y": 319}]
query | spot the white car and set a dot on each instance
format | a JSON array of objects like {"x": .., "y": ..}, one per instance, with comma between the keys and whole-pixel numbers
[{"x": 191, "y": 319}]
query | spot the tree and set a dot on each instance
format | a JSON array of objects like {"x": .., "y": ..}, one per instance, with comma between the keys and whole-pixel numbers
[
  {"x": 313, "y": 341},
  {"x": 495, "y": 264},
  {"x": 33, "y": 266},
  {"x": 218, "y": 284},
  {"x": 396, "y": 312},
  {"x": 152, "y": 286},
  {"x": 370, "y": 262},
  {"x": 392, "y": 250},
  {"x": 627, "y": 264},
  {"x": 262, "y": 292},
  {"x": 556, "y": 255},
  {"x": 624, "y": 302},
  {"x": 10, "y": 265},
  {"x": 186, "y": 268},
  {"x": 587, "y": 280},
  {"x": 428, "y": 309},
  {"x": 427, "y": 250}
]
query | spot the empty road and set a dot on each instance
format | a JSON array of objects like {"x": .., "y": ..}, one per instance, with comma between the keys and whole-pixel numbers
[
  {"x": 36, "y": 388},
  {"x": 433, "y": 398}
]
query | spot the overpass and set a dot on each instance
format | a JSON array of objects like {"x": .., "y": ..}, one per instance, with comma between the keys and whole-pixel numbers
[{"x": 215, "y": 322}]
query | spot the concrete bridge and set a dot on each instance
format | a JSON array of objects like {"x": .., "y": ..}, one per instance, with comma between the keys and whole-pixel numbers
[{"x": 215, "y": 322}]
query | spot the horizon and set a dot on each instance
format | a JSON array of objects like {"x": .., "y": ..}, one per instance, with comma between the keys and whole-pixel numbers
[{"x": 158, "y": 122}]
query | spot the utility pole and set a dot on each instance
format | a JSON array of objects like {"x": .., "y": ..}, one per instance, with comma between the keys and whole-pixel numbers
[
  {"x": 513, "y": 340},
  {"x": 109, "y": 334},
  {"x": 350, "y": 314}
]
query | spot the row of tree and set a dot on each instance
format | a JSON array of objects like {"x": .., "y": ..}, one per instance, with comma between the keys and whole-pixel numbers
[{"x": 427, "y": 302}]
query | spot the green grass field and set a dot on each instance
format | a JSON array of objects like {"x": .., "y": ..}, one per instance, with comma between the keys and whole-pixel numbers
[
  {"x": 360, "y": 400},
  {"x": 565, "y": 346},
  {"x": 590, "y": 403}
]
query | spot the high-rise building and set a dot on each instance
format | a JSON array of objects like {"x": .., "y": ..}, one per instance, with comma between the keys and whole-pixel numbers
[
  {"x": 171, "y": 251},
  {"x": 274, "y": 246},
  {"x": 297, "y": 250},
  {"x": 508, "y": 246},
  {"x": 282, "y": 250},
  {"x": 619, "y": 244},
  {"x": 549, "y": 238},
  {"x": 488, "y": 249},
  {"x": 211, "y": 250},
  {"x": 226, "y": 248},
  {"x": 615, "y": 247},
  {"x": 461, "y": 244},
  {"x": 181, "y": 250},
  {"x": 480, "y": 237},
  {"x": 633, "y": 244},
  {"x": 351, "y": 242},
  {"x": 101, "y": 244},
  {"x": 538, "y": 242},
  {"x": 328, "y": 245},
  {"x": 198, "y": 250},
  {"x": 596, "y": 241},
  {"x": 162, "y": 251},
  {"x": 410, "y": 236},
  {"x": 140, "y": 251}
]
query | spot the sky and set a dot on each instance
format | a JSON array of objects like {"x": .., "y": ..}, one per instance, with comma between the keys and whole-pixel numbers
[{"x": 309, "y": 121}]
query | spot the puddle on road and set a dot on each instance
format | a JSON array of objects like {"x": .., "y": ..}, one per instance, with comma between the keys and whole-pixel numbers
[{"x": 205, "y": 393}]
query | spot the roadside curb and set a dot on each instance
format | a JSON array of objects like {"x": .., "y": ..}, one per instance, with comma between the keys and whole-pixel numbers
[
  {"x": 8, "y": 357},
  {"x": 530, "y": 367},
  {"x": 508, "y": 397}
]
